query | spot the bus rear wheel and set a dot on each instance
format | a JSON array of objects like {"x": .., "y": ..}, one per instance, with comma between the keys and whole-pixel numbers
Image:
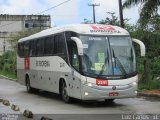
[
  {"x": 28, "y": 86},
  {"x": 64, "y": 93}
]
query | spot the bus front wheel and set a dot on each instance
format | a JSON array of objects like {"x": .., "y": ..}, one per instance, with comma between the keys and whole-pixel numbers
[{"x": 64, "y": 93}]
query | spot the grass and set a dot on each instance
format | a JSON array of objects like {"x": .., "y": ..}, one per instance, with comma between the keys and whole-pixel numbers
[
  {"x": 8, "y": 74},
  {"x": 150, "y": 85}
]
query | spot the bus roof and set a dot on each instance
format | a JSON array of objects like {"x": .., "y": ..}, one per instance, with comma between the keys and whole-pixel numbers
[{"x": 92, "y": 29}]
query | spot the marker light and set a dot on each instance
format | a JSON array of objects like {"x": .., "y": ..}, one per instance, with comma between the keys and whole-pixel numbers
[
  {"x": 134, "y": 83},
  {"x": 135, "y": 92},
  {"x": 86, "y": 93}
]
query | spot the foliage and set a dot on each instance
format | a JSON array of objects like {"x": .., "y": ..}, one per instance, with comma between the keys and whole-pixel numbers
[
  {"x": 8, "y": 63},
  {"x": 154, "y": 24},
  {"x": 8, "y": 74},
  {"x": 86, "y": 21},
  {"x": 140, "y": 63},
  {"x": 151, "y": 41},
  {"x": 149, "y": 9},
  {"x": 113, "y": 20},
  {"x": 150, "y": 85},
  {"x": 155, "y": 67}
]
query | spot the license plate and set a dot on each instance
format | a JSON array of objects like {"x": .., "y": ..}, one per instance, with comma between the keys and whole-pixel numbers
[
  {"x": 102, "y": 82},
  {"x": 113, "y": 94}
]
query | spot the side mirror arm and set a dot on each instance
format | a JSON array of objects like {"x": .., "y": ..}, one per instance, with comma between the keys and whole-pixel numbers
[{"x": 79, "y": 45}]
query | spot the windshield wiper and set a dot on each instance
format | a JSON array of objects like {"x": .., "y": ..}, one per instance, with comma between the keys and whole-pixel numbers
[{"x": 120, "y": 64}]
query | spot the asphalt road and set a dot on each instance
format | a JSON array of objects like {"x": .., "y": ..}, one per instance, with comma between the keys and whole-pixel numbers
[{"x": 48, "y": 103}]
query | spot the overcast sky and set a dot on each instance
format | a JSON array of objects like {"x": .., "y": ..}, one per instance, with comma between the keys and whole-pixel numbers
[{"x": 73, "y": 11}]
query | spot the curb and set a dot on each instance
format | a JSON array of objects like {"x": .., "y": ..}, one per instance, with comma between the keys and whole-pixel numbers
[
  {"x": 2, "y": 76},
  {"x": 148, "y": 94}
]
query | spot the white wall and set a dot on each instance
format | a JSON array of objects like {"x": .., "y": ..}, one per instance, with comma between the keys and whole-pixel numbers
[
  {"x": 11, "y": 26},
  {"x": 7, "y": 44}
]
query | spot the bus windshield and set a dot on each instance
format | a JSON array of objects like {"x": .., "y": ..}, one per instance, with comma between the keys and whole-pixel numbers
[{"x": 107, "y": 56}]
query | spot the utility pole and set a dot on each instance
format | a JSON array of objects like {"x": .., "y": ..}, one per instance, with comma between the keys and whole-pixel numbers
[
  {"x": 94, "y": 5},
  {"x": 121, "y": 13}
]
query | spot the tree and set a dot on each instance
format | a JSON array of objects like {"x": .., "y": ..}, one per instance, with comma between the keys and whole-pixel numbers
[
  {"x": 113, "y": 20},
  {"x": 86, "y": 21},
  {"x": 149, "y": 9},
  {"x": 154, "y": 24}
]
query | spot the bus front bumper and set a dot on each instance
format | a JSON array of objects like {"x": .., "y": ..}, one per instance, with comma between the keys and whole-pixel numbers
[{"x": 92, "y": 93}]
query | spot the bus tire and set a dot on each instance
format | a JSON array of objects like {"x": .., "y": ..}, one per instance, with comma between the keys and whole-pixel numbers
[
  {"x": 28, "y": 86},
  {"x": 109, "y": 100},
  {"x": 64, "y": 93}
]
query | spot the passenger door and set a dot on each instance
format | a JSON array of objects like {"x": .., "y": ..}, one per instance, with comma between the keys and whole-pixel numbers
[{"x": 75, "y": 77}]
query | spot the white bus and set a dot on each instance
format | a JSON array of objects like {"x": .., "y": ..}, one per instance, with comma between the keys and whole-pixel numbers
[{"x": 82, "y": 61}]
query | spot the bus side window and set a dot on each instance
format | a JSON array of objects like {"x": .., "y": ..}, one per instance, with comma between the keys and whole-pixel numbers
[
  {"x": 32, "y": 48},
  {"x": 21, "y": 49},
  {"x": 49, "y": 46},
  {"x": 40, "y": 47},
  {"x": 59, "y": 44},
  {"x": 26, "y": 49}
]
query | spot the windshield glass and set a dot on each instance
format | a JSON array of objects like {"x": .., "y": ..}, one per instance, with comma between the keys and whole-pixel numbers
[
  {"x": 105, "y": 56},
  {"x": 122, "y": 55}
]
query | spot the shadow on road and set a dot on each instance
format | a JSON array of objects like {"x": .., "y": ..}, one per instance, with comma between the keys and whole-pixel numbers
[{"x": 80, "y": 103}]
